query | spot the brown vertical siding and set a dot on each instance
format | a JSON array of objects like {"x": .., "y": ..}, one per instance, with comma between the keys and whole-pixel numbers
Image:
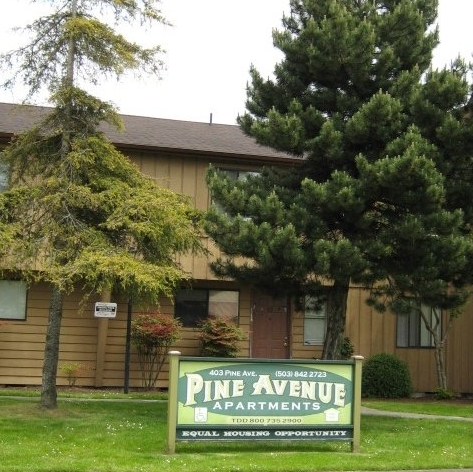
[
  {"x": 22, "y": 342},
  {"x": 187, "y": 177},
  {"x": 245, "y": 321},
  {"x": 459, "y": 350},
  {"x": 372, "y": 333}
]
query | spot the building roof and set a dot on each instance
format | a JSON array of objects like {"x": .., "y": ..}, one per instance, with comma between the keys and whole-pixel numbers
[{"x": 157, "y": 134}]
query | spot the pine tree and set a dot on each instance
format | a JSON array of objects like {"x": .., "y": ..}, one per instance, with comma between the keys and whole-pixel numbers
[
  {"x": 376, "y": 195},
  {"x": 78, "y": 213}
]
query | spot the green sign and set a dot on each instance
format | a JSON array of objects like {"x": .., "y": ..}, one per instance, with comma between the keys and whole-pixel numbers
[
  {"x": 246, "y": 399},
  {"x": 264, "y": 393}
]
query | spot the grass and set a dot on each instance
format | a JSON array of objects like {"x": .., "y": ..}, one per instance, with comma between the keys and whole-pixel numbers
[
  {"x": 432, "y": 407},
  {"x": 129, "y": 436},
  {"x": 88, "y": 393}
]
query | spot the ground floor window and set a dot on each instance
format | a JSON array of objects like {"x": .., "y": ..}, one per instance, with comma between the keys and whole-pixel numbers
[
  {"x": 192, "y": 306},
  {"x": 315, "y": 321},
  {"x": 412, "y": 331},
  {"x": 13, "y": 300}
]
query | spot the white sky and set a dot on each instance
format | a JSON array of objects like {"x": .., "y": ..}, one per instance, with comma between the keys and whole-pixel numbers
[{"x": 209, "y": 52}]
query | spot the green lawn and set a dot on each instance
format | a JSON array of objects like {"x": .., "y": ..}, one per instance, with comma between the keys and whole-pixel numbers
[
  {"x": 129, "y": 435},
  {"x": 429, "y": 407}
]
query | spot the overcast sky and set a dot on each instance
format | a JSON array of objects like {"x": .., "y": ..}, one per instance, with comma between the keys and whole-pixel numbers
[{"x": 209, "y": 52}]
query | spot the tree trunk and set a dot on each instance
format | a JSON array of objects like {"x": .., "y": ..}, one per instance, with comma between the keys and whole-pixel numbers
[
  {"x": 51, "y": 352},
  {"x": 440, "y": 362},
  {"x": 439, "y": 344},
  {"x": 337, "y": 312},
  {"x": 51, "y": 348}
]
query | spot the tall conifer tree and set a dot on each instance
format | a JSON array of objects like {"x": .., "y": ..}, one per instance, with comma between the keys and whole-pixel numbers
[
  {"x": 377, "y": 195},
  {"x": 78, "y": 213}
]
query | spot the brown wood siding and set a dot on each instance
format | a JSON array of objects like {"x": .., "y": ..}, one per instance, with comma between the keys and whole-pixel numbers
[
  {"x": 459, "y": 349},
  {"x": 372, "y": 333},
  {"x": 185, "y": 175},
  {"x": 22, "y": 342},
  {"x": 244, "y": 321}
]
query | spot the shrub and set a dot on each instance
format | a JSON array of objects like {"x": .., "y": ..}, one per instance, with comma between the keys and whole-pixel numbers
[
  {"x": 347, "y": 349},
  {"x": 386, "y": 376},
  {"x": 72, "y": 370},
  {"x": 443, "y": 394},
  {"x": 153, "y": 334},
  {"x": 219, "y": 337}
]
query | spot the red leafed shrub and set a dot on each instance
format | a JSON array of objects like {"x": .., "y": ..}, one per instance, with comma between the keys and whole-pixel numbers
[
  {"x": 153, "y": 334},
  {"x": 220, "y": 337}
]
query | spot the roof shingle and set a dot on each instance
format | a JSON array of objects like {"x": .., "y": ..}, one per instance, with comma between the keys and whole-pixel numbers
[{"x": 156, "y": 133}]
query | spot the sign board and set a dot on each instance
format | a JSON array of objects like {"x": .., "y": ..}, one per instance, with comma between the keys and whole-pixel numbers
[
  {"x": 105, "y": 310},
  {"x": 263, "y": 399}
]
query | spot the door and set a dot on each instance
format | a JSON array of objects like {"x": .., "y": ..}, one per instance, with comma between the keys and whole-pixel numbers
[{"x": 270, "y": 333}]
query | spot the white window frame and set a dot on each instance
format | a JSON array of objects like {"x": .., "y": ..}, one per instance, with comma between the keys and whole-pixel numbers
[
  {"x": 13, "y": 296},
  {"x": 315, "y": 321}
]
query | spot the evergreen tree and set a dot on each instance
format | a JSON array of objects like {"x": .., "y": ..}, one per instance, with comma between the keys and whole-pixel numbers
[
  {"x": 375, "y": 196},
  {"x": 78, "y": 213}
]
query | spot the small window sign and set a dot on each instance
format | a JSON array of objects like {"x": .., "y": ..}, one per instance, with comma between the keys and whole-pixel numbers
[{"x": 105, "y": 310}]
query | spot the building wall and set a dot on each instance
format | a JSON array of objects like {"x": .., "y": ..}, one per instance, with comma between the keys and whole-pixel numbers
[
  {"x": 22, "y": 342},
  {"x": 186, "y": 175},
  {"x": 102, "y": 356},
  {"x": 372, "y": 333},
  {"x": 460, "y": 351},
  {"x": 99, "y": 345}
]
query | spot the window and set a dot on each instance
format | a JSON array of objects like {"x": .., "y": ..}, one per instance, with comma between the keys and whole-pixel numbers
[
  {"x": 234, "y": 175},
  {"x": 411, "y": 329},
  {"x": 315, "y": 321},
  {"x": 12, "y": 300},
  {"x": 192, "y": 306},
  {"x": 3, "y": 177}
]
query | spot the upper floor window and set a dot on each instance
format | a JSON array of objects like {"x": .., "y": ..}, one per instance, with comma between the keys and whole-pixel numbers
[
  {"x": 238, "y": 175},
  {"x": 235, "y": 175},
  {"x": 315, "y": 321},
  {"x": 13, "y": 300},
  {"x": 193, "y": 306},
  {"x": 411, "y": 328}
]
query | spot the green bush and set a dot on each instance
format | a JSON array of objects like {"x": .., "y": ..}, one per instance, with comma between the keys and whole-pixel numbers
[
  {"x": 347, "y": 349},
  {"x": 386, "y": 376},
  {"x": 153, "y": 334},
  {"x": 220, "y": 337},
  {"x": 443, "y": 394}
]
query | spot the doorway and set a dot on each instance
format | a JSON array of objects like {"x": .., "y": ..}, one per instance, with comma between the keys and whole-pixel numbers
[{"x": 270, "y": 327}]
